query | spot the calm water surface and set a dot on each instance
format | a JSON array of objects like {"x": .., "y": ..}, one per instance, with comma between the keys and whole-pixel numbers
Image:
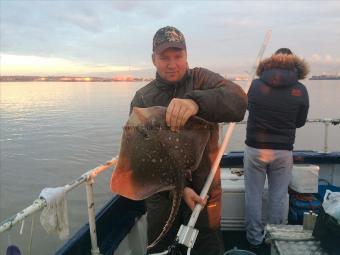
[{"x": 51, "y": 133}]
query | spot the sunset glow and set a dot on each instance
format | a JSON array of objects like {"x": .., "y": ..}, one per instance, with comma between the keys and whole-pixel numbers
[
  {"x": 35, "y": 65},
  {"x": 114, "y": 38}
]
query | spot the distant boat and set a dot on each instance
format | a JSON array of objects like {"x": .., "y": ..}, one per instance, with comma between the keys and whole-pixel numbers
[{"x": 325, "y": 77}]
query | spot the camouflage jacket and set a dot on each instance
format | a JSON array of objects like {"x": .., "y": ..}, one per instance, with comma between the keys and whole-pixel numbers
[{"x": 219, "y": 100}]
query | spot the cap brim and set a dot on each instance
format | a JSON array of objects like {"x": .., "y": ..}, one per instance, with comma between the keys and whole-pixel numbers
[{"x": 168, "y": 45}]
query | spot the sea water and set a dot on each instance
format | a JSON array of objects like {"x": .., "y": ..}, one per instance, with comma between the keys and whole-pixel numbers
[{"x": 52, "y": 132}]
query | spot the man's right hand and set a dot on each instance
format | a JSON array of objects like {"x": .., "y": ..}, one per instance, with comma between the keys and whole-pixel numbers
[
  {"x": 179, "y": 111},
  {"x": 191, "y": 198}
]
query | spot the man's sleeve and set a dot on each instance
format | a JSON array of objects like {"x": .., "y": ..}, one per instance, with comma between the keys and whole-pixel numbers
[
  {"x": 137, "y": 101},
  {"x": 303, "y": 111},
  {"x": 219, "y": 100}
]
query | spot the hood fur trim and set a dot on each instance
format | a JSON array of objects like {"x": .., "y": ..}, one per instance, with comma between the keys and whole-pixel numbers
[{"x": 284, "y": 61}]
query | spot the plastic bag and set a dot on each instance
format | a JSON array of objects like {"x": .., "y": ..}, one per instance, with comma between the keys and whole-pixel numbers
[{"x": 331, "y": 204}]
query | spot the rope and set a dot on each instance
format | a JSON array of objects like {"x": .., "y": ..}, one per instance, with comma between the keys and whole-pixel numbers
[
  {"x": 31, "y": 236},
  {"x": 9, "y": 239},
  {"x": 29, "y": 248},
  {"x": 22, "y": 227}
]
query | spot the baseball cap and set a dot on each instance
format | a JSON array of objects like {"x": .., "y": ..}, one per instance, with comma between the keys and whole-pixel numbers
[
  {"x": 286, "y": 51},
  {"x": 168, "y": 37}
]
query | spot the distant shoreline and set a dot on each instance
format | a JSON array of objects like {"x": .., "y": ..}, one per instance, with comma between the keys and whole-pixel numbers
[
  {"x": 23, "y": 78},
  {"x": 325, "y": 77},
  {"x": 69, "y": 81}
]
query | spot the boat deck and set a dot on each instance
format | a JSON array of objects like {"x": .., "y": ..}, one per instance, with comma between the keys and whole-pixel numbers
[
  {"x": 118, "y": 217},
  {"x": 232, "y": 239}
]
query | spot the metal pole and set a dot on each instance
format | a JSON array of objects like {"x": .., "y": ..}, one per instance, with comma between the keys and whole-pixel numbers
[
  {"x": 227, "y": 137},
  {"x": 210, "y": 177},
  {"x": 325, "y": 141},
  {"x": 91, "y": 214},
  {"x": 187, "y": 234}
]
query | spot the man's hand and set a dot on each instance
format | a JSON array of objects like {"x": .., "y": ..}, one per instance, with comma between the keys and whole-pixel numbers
[
  {"x": 191, "y": 198},
  {"x": 179, "y": 111}
]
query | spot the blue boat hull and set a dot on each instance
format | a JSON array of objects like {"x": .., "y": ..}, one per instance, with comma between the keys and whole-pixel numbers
[{"x": 118, "y": 216}]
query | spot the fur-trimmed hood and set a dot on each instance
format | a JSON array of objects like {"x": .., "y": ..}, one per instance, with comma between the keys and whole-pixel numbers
[{"x": 282, "y": 70}]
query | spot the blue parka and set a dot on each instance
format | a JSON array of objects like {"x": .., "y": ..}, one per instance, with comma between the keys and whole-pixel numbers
[{"x": 277, "y": 103}]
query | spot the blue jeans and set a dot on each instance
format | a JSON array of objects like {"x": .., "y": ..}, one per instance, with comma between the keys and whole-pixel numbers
[{"x": 277, "y": 165}]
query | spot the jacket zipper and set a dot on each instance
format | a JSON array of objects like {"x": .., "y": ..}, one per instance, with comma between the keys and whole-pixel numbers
[{"x": 173, "y": 96}]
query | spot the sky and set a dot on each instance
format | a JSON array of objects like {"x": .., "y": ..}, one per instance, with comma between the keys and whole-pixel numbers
[{"x": 110, "y": 38}]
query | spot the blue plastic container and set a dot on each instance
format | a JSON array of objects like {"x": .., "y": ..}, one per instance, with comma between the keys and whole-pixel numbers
[
  {"x": 323, "y": 188},
  {"x": 297, "y": 207}
]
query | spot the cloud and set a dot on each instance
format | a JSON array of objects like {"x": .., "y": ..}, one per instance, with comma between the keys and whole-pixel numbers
[
  {"x": 150, "y": 9},
  {"x": 243, "y": 22},
  {"x": 86, "y": 21},
  {"x": 219, "y": 34},
  {"x": 323, "y": 59},
  {"x": 324, "y": 63},
  {"x": 126, "y": 6}
]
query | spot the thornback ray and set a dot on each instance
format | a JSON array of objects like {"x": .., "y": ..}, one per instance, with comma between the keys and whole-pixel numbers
[{"x": 153, "y": 158}]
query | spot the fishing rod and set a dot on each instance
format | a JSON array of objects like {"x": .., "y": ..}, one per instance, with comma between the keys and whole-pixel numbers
[{"x": 187, "y": 234}]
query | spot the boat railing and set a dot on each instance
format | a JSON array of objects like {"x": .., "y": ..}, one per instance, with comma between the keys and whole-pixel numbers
[
  {"x": 40, "y": 203},
  {"x": 326, "y": 121}
]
